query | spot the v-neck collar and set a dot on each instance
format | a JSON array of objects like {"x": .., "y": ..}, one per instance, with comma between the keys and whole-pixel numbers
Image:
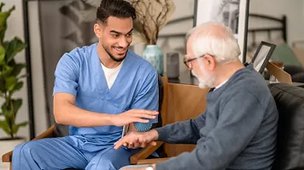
[
  {"x": 101, "y": 75},
  {"x": 111, "y": 74}
]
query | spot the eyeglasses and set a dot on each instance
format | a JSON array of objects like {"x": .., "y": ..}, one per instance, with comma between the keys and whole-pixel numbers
[{"x": 188, "y": 61}]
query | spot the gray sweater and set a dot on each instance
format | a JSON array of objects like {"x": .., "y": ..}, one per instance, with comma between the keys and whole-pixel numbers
[{"x": 236, "y": 132}]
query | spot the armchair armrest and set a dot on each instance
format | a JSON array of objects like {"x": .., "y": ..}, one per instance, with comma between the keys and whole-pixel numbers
[
  {"x": 144, "y": 153},
  {"x": 46, "y": 134},
  {"x": 7, "y": 157},
  {"x": 152, "y": 161}
]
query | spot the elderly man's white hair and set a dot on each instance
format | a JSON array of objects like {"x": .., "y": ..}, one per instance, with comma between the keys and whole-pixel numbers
[{"x": 215, "y": 39}]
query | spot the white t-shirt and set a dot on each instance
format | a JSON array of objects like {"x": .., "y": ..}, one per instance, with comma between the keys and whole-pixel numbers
[{"x": 111, "y": 74}]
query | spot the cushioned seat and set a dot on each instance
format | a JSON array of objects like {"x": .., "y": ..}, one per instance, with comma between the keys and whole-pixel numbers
[
  {"x": 290, "y": 146},
  {"x": 296, "y": 72},
  {"x": 284, "y": 53}
]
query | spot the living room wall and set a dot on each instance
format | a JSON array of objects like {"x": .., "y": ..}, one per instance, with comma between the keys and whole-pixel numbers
[{"x": 294, "y": 10}]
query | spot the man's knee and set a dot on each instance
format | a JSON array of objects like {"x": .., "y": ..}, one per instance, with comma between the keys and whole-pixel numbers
[
  {"x": 26, "y": 150},
  {"x": 101, "y": 164},
  {"x": 23, "y": 156},
  {"x": 110, "y": 159}
]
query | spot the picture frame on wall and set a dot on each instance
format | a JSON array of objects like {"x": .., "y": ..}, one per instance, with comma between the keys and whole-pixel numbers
[{"x": 232, "y": 13}]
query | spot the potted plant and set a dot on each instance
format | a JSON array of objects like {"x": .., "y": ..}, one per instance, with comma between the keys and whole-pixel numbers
[
  {"x": 10, "y": 81},
  {"x": 151, "y": 17}
]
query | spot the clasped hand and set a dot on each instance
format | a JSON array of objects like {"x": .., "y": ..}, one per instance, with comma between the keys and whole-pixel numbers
[{"x": 137, "y": 139}]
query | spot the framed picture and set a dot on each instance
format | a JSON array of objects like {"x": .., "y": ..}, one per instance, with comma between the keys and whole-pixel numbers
[
  {"x": 262, "y": 56},
  {"x": 232, "y": 13}
]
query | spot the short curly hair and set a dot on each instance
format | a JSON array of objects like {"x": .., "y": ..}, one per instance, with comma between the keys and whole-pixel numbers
[{"x": 116, "y": 8}]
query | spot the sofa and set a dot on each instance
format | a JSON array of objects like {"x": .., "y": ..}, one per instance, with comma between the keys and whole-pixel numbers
[{"x": 290, "y": 140}]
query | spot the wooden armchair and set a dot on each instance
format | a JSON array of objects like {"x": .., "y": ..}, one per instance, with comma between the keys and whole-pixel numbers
[
  {"x": 179, "y": 102},
  {"x": 50, "y": 132}
]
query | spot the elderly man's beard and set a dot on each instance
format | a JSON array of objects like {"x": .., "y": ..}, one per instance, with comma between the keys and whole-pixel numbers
[{"x": 205, "y": 82}]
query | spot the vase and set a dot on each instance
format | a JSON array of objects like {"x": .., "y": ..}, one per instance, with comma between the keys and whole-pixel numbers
[{"x": 154, "y": 55}]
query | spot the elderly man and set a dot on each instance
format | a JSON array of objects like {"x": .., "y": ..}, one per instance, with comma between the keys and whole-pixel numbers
[{"x": 238, "y": 128}]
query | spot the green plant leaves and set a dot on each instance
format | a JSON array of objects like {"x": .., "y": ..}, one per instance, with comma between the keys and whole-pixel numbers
[
  {"x": 12, "y": 48},
  {"x": 4, "y": 126},
  {"x": 16, "y": 105},
  {"x": 17, "y": 126},
  {"x": 2, "y": 54},
  {"x": 3, "y": 19},
  {"x": 12, "y": 84},
  {"x": 9, "y": 110},
  {"x": 17, "y": 69},
  {"x": 10, "y": 78}
]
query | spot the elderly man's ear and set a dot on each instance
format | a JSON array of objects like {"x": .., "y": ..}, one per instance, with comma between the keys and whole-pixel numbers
[{"x": 209, "y": 62}]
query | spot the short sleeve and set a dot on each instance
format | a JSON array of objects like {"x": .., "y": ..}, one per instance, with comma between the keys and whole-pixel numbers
[
  {"x": 66, "y": 75},
  {"x": 147, "y": 98}
]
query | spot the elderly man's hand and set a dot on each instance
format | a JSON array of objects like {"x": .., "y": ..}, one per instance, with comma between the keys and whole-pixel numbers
[{"x": 137, "y": 139}]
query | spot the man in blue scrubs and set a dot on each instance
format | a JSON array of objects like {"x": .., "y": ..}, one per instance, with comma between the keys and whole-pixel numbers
[{"x": 98, "y": 89}]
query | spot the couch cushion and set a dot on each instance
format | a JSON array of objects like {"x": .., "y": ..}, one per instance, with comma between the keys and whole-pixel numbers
[
  {"x": 285, "y": 54},
  {"x": 290, "y": 146}
]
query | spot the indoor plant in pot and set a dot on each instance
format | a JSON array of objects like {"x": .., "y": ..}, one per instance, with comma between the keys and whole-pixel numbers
[
  {"x": 151, "y": 17},
  {"x": 10, "y": 82}
]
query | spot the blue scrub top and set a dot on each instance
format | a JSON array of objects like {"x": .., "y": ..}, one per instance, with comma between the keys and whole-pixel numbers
[{"x": 79, "y": 73}]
